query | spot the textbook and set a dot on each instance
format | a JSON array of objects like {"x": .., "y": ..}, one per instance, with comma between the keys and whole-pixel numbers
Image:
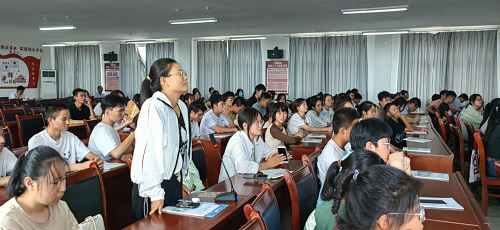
[
  {"x": 205, "y": 209},
  {"x": 420, "y": 126},
  {"x": 414, "y": 139},
  {"x": 440, "y": 203},
  {"x": 417, "y": 150},
  {"x": 431, "y": 175},
  {"x": 132, "y": 110},
  {"x": 221, "y": 135},
  {"x": 274, "y": 173},
  {"x": 311, "y": 140},
  {"x": 417, "y": 132},
  {"x": 316, "y": 136}
]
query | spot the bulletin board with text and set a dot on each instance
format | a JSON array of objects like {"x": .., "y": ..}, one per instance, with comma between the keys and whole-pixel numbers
[
  {"x": 112, "y": 76},
  {"x": 277, "y": 76}
]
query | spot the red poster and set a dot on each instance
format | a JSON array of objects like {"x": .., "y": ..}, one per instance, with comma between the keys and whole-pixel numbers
[
  {"x": 112, "y": 76},
  {"x": 277, "y": 76},
  {"x": 17, "y": 70}
]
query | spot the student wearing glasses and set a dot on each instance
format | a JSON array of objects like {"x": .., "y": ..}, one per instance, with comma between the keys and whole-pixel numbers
[
  {"x": 327, "y": 107},
  {"x": 300, "y": 122},
  {"x": 394, "y": 193},
  {"x": 81, "y": 109},
  {"x": 196, "y": 111},
  {"x": 245, "y": 149},
  {"x": 105, "y": 140},
  {"x": 163, "y": 140},
  {"x": 471, "y": 113}
]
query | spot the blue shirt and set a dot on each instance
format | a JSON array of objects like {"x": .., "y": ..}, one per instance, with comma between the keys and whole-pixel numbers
[
  {"x": 405, "y": 111},
  {"x": 260, "y": 109},
  {"x": 457, "y": 103}
]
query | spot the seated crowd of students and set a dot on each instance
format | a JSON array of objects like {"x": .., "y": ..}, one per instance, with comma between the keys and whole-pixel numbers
[{"x": 365, "y": 148}]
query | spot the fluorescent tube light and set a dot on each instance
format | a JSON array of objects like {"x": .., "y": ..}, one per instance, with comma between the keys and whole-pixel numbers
[
  {"x": 386, "y": 32},
  {"x": 54, "y": 45},
  {"x": 141, "y": 41},
  {"x": 248, "y": 38},
  {"x": 376, "y": 10},
  {"x": 68, "y": 27},
  {"x": 192, "y": 21}
]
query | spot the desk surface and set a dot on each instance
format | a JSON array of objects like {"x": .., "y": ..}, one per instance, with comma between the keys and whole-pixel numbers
[{"x": 437, "y": 145}]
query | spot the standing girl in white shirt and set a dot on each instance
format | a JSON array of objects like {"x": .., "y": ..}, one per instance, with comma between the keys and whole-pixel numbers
[
  {"x": 299, "y": 120},
  {"x": 163, "y": 142}
]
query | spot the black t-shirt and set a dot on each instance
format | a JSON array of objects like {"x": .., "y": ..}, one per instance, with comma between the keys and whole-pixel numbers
[
  {"x": 251, "y": 101},
  {"x": 493, "y": 144},
  {"x": 77, "y": 114},
  {"x": 398, "y": 133},
  {"x": 443, "y": 108}
]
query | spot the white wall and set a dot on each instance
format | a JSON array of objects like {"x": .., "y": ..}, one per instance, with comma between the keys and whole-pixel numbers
[
  {"x": 106, "y": 47},
  {"x": 281, "y": 41}
]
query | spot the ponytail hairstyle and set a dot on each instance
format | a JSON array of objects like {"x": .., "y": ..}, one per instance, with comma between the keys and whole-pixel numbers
[
  {"x": 493, "y": 121},
  {"x": 376, "y": 191},
  {"x": 296, "y": 104},
  {"x": 472, "y": 99},
  {"x": 151, "y": 84},
  {"x": 365, "y": 107},
  {"x": 36, "y": 164},
  {"x": 337, "y": 181},
  {"x": 249, "y": 116}
]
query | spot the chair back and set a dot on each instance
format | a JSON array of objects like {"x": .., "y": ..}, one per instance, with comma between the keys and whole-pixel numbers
[
  {"x": 28, "y": 126},
  {"x": 85, "y": 194},
  {"x": 442, "y": 130},
  {"x": 20, "y": 151},
  {"x": 458, "y": 150},
  {"x": 90, "y": 125},
  {"x": 37, "y": 110},
  {"x": 4, "y": 99},
  {"x": 129, "y": 163},
  {"x": 252, "y": 225},
  {"x": 7, "y": 135},
  {"x": 17, "y": 101},
  {"x": 448, "y": 118},
  {"x": 497, "y": 168},
  {"x": 457, "y": 123},
  {"x": 10, "y": 114},
  {"x": 311, "y": 160},
  {"x": 31, "y": 103},
  {"x": 266, "y": 208},
  {"x": 199, "y": 160},
  {"x": 470, "y": 134},
  {"x": 303, "y": 194},
  {"x": 44, "y": 103},
  {"x": 9, "y": 104}
]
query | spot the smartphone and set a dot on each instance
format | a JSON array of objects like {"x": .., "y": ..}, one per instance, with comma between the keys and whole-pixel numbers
[
  {"x": 255, "y": 176},
  {"x": 183, "y": 204},
  {"x": 282, "y": 150},
  {"x": 433, "y": 202}
]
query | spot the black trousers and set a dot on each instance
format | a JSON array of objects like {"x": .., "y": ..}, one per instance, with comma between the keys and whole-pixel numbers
[{"x": 141, "y": 205}]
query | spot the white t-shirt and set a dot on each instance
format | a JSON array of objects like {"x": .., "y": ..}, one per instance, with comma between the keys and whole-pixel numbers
[
  {"x": 13, "y": 95},
  {"x": 295, "y": 122},
  {"x": 317, "y": 121},
  {"x": 331, "y": 153},
  {"x": 98, "y": 109},
  {"x": 68, "y": 146},
  {"x": 195, "y": 129},
  {"x": 103, "y": 140},
  {"x": 7, "y": 162},
  {"x": 210, "y": 119}
]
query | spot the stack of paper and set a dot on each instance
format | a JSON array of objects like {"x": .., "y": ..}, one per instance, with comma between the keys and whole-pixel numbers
[
  {"x": 221, "y": 135},
  {"x": 316, "y": 135},
  {"x": 274, "y": 173},
  {"x": 450, "y": 203},
  {"x": 417, "y": 150},
  {"x": 431, "y": 175},
  {"x": 414, "y": 139},
  {"x": 209, "y": 210},
  {"x": 311, "y": 140}
]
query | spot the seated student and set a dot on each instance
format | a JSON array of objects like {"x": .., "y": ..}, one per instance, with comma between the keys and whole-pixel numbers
[
  {"x": 259, "y": 90},
  {"x": 368, "y": 110},
  {"x": 240, "y": 93},
  {"x": 445, "y": 106},
  {"x": 197, "y": 95},
  {"x": 343, "y": 120},
  {"x": 404, "y": 94},
  {"x": 272, "y": 93},
  {"x": 215, "y": 121},
  {"x": 105, "y": 140},
  {"x": 392, "y": 192},
  {"x": 36, "y": 187},
  {"x": 492, "y": 140},
  {"x": 19, "y": 93},
  {"x": 81, "y": 109},
  {"x": 56, "y": 135},
  {"x": 7, "y": 159},
  {"x": 276, "y": 134},
  {"x": 98, "y": 110},
  {"x": 269, "y": 116},
  {"x": 357, "y": 99},
  {"x": 188, "y": 99},
  {"x": 400, "y": 104},
  {"x": 342, "y": 103},
  {"x": 461, "y": 101},
  {"x": 99, "y": 93},
  {"x": 375, "y": 135},
  {"x": 384, "y": 97},
  {"x": 261, "y": 105},
  {"x": 192, "y": 180},
  {"x": 322, "y": 217},
  {"x": 299, "y": 121},
  {"x": 399, "y": 126},
  {"x": 228, "y": 98},
  {"x": 238, "y": 104},
  {"x": 314, "y": 114},
  {"x": 196, "y": 111},
  {"x": 471, "y": 114},
  {"x": 245, "y": 149},
  {"x": 412, "y": 106},
  {"x": 436, "y": 103},
  {"x": 327, "y": 107}
]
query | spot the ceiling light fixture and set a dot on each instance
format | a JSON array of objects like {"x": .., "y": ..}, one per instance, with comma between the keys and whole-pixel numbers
[
  {"x": 376, "y": 10},
  {"x": 192, "y": 21},
  {"x": 54, "y": 45},
  {"x": 386, "y": 32},
  {"x": 248, "y": 38},
  {"x": 68, "y": 27},
  {"x": 141, "y": 41}
]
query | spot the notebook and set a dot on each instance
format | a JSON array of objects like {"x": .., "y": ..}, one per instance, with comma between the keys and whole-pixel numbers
[
  {"x": 417, "y": 150},
  {"x": 431, "y": 175},
  {"x": 450, "y": 203},
  {"x": 418, "y": 140},
  {"x": 311, "y": 140},
  {"x": 221, "y": 135},
  {"x": 316, "y": 136},
  {"x": 205, "y": 209},
  {"x": 274, "y": 173},
  {"x": 417, "y": 132}
]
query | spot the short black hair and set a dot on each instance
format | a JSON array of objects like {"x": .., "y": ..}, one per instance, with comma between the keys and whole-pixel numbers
[
  {"x": 369, "y": 130},
  {"x": 197, "y": 106},
  {"x": 443, "y": 92},
  {"x": 354, "y": 90},
  {"x": 340, "y": 103},
  {"x": 260, "y": 87},
  {"x": 215, "y": 99},
  {"x": 451, "y": 94},
  {"x": 99, "y": 87},
  {"x": 313, "y": 101},
  {"x": 20, "y": 87},
  {"x": 387, "y": 107},
  {"x": 435, "y": 97},
  {"x": 211, "y": 88},
  {"x": 52, "y": 110},
  {"x": 365, "y": 106},
  {"x": 265, "y": 96},
  {"x": 272, "y": 93},
  {"x": 358, "y": 96},
  {"x": 117, "y": 92},
  {"x": 215, "y": 92},
  {"x": 343, "y": 118},
  {"x": 112, "y": 101},
  {"x": 239, "y": 101},
  {"x": 280, "y": 96},
  {"x": 382, "y": 95},
  {"x": 77, "y": 90},
  {"x": 277, "y": 107},
  {"x": 403, "y": 92},
  {"x": 400, "y": 101},
  {"x": 464, "y": 96},
  {"x": 186, "y": 97},
  {"x": 416, "y": 101},
  {"x": 228, "y": 94}
]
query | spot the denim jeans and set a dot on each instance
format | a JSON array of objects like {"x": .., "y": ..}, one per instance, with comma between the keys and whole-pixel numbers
[{"x": 491, "y": 168}]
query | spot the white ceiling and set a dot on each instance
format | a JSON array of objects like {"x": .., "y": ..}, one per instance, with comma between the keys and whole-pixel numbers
[{"x": 111, "y": 20}]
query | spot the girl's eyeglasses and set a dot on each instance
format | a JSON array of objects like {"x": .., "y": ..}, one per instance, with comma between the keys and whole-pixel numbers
[{"x": 421, "y": 214}]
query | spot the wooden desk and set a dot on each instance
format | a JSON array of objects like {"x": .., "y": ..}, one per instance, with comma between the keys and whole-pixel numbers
[
  {"x": 231, "y": 217},
  {"x": 301, "y": 148},
  {"x": 118, "y": 189},
  {"x": 471, "y": 217},
  {"x": 211, "y": 156},
  {"x": 439, "y": 160},
  {"x": 3, "y": 195}
]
